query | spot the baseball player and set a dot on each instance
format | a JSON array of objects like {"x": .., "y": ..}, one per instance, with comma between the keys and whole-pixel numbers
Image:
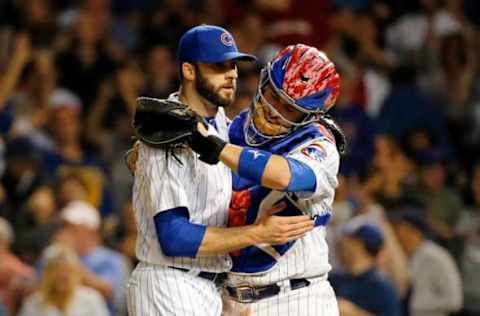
[
  {"x": 181, "y": 204},
  {"x": 286, "y": 150}
]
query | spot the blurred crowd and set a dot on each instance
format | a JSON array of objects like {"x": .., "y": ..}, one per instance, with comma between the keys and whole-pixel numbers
[{"x": 405, "y": 235}]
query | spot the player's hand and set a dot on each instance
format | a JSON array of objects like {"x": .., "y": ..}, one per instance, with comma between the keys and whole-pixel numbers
[
  {"x": 208, "y": 147},
  {"x": 202, "y": 129},
  {"x": 272, "y": 229}
]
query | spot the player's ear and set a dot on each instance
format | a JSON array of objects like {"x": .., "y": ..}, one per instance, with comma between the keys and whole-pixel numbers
[{"x": 188, "y": 71}]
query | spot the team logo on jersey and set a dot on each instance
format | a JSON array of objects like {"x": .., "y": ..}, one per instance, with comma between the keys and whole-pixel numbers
[
  {"x": 315, "y": 151},
  {"x": 226, "y": 39}
]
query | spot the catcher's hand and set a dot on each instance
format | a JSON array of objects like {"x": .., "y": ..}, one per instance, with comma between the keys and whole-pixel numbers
[{"x": 164, "y": 123}]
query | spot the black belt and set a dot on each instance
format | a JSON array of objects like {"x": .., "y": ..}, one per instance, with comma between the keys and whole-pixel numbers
[
  {"x": 211, "y": 276},
  {"x": 249, "y": 294}
]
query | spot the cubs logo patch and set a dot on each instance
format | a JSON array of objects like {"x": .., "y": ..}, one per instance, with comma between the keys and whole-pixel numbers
[
  {"x": 226, "y": 39},
  {"x": 315, "y": 151}
]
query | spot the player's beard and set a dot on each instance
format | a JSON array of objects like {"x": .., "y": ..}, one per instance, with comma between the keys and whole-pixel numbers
[{"x": 208, "y": 91}]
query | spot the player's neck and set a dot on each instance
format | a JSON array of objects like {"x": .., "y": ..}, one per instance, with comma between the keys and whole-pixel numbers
[{"x": 196, "y": 102}]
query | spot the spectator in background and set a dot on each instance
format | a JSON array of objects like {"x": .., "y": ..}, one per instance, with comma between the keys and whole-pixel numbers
[
  {"x": 436, "y": 288},
  {"x": 40, "y": 222},
  {"x": 103, "y": 269},
  {"x": 65, "y": 131},
  {"x": 167, "y": 22},
  {"x": 20, "y": 57},
  {"x": 16, "y": 278},
  {"x": 109, "y": 129},
  {"x": 68, "y": 149},
  {"x": 86, "y": 62},
  {"x": 23, "y": 176},
  {"x": 60, "y": 291},
  {"x": 468, "y": 228},
  {"x": 79, "y": 183},
  {"x": 393, "y": 260},
  {"x": 391, "y": 176},
  {"x": 357, "y": 126},
  {"x": 443, "y": 204},
  {"x": 288, "y": 21},
  {"x": 161, "y": 73},
  {"x": 28, "y": 99},
  {"x": 362, "y": 289},
  {"x": 407, "y": 108}
]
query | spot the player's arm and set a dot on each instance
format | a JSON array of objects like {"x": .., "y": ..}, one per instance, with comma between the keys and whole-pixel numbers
[
  {"x": 293, "y": 173},
  {"x": 178, "y": 237},
  {"x": 269, "y": 170},
  {"x": 262, "y": 167}
]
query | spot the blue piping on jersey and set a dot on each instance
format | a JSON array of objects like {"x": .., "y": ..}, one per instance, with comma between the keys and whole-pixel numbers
[{"x": 176, "y": 235}]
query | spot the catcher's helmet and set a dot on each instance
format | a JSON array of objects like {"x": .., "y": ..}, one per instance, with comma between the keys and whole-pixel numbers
[{"x": 303, "y": 77}]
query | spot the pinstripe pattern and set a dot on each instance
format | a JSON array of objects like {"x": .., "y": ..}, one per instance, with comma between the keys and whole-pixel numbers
[
  {"x": 161, "y": 183},
  {"x": 157, "y": 290},
  {"x": 307, "y": 258},
  {"x": 318, "y": 299}
]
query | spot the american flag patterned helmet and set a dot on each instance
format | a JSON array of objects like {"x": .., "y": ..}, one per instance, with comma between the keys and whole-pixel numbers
[{"x": 304, "y": 78}]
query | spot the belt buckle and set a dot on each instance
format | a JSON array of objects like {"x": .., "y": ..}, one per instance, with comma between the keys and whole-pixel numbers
[{"x": 249, "y": 290}]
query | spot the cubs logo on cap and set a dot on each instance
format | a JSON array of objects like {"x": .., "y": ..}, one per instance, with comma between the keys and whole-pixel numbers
[
  {"x": 226, "y": 39},
  {"x": 209, "y": 44}
]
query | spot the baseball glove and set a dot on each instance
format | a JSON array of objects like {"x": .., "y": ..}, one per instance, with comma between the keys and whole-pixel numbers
[{"x": 165, "y": 124}]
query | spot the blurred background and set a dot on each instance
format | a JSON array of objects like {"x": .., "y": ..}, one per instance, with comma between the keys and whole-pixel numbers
[{"x": 70, "y": 71}]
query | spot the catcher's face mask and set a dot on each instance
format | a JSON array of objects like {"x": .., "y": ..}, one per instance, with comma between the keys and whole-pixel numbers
[
  {"x": 271, "y": 115},
  {"x": 302, "y": 77}
]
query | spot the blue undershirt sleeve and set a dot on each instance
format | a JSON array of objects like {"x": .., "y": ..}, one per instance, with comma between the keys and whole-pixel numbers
[
  {"x": 302, "y": 177},
  {"x": 252, "y": 164},
  {"x": 178, "y": 237}
]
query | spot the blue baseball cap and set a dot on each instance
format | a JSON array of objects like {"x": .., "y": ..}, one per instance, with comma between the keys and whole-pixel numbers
[
  {"x": 369, "y": 234},
  {"x": 209, "y": 44},
  {"x": 413, "y": 216}
]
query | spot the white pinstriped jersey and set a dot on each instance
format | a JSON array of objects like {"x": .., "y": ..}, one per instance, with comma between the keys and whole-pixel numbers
[
  {"x": 162, "y": 183},
  {"x": 304, "y": 258},
  {"x": 162, "y": 291}
]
